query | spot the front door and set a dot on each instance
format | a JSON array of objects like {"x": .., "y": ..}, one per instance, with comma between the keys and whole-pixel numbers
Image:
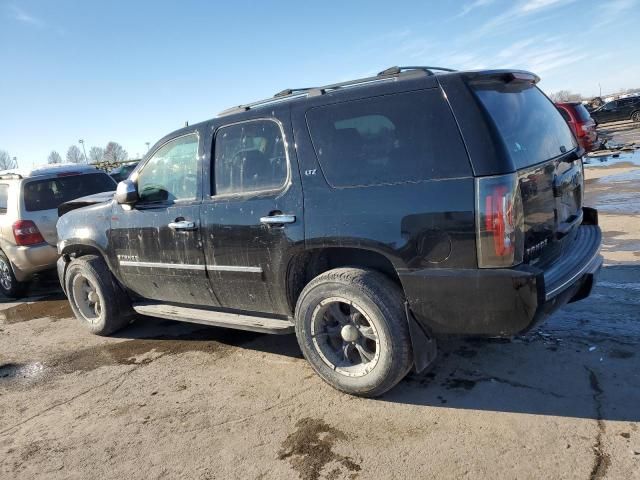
[
  {"x": 252, "y": 223},
  {"x": 157, "y": 243}
]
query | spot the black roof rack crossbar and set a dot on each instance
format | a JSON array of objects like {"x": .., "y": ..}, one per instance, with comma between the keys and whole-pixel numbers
[
  {"x": 396, "y": 70},
  {"x": 288, "y": 91},
  {"x": 313, "y": 91}
]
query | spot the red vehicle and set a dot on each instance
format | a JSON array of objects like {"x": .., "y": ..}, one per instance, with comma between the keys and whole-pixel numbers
[{"x": 583, "y": 126}]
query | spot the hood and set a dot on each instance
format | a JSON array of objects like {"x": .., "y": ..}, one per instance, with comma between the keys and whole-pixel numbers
[{"x": 85, "y": 201}]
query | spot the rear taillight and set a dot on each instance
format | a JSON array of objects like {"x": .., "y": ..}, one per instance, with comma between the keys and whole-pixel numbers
[
  {"x": 26, "y": 233},
  {"x": 499, "y": 221}
]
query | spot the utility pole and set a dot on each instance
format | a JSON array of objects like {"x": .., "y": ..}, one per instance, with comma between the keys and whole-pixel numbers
[
  {"x": 81, "y": 142},
  {"x": 600, "y": 87},
  {"x": 147, "y": 144}
]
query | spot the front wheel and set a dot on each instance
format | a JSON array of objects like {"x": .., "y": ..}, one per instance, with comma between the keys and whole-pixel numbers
[
  {"x": 95, "y": 297},
  {"x": 351, "y": 327},
  {"x": 635, "y": 116}
]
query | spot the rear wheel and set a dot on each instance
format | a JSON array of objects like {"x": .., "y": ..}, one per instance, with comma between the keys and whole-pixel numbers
[
  {"x": 95, "y": 297},
  {"x": 351, "y": 327},
  {"x": 635, "y": 116},
  {"x": 9, "y": 285}
]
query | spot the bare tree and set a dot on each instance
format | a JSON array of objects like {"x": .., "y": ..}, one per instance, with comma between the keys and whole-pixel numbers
[
  {"x": 565, "y": 96},
  {"x": 54, "y": 157},
  {"x": 6, "y": 161},
  {"x": 114, "y": 152},
  {"x": 96, "y": 154},
  {"x": 74, "y": 155}
]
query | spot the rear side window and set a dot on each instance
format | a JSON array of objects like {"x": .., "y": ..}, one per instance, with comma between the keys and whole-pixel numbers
[
  {"x": 564, "y": 114},
  {"x": 4, "y": 198},
  {"x": 530, "y": 126},
  {"x": 50, "y": 193},
  {"x": 249, "y": 157},
  {"x": 404, "y": 137},
  {"x": 582, "y": 113}
]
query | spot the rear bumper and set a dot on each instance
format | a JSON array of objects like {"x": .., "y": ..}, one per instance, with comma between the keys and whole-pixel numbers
[
  {"x": 503, "y": 302},
  {"x": 29, "y": 260}
]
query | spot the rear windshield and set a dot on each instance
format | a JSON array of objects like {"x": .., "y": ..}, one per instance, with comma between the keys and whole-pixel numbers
[
  {"x": 530, "y": 125},
  {"x": 50, "y": 193},
  {"x": 582, "y": 113}
]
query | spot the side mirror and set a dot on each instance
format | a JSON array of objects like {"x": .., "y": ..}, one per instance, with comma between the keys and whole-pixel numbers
[{"x": 127, "y": 192}]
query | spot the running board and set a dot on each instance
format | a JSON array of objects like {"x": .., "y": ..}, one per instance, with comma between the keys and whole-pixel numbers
[{"x": 216, "y": 319}]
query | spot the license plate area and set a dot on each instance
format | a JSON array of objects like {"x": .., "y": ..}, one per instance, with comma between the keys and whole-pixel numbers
[{"x": 568, "y": 194}]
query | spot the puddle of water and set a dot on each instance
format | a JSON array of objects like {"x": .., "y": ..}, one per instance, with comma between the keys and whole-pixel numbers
[
  {"x": 627, "y": 157},
  {"x": 55, "y": 308},
  {"x": 142, "y": 351},
  {"x": 634, "y": 286},
  {"x": 623, "y": 202},
  {"x": 21, "y": 372},
  {"x": 218, "y": 342},
  {"x": 310, "y": 448}
]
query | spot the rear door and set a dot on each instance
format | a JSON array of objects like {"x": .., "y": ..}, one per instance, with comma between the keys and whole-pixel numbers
[
  {"x": 542, "y": 149},
  {"x": 157, "y": 243},
  {"x": 252, "y": 221}
]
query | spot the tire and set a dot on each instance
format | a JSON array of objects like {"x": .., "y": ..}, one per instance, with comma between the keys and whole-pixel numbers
[
  {"x": 9, "y": 285},
  {"x": 95, "y": 298},
  {"x": 345, "y": 300},
  {"x": 635, "y": 116}
]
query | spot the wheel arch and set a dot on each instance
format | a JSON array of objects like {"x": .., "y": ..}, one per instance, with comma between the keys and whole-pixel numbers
[
  {"x": 305, "y": 266},
  {"x": 79, "y": 248}
]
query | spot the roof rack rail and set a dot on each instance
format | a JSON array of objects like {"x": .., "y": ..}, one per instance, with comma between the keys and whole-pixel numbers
[
  {"x": 289, "y": 93},
  {"x": 7, "y": 175},
  {"x": 396, "y": 70}
]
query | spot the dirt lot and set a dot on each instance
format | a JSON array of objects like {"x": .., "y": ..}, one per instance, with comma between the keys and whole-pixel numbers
[{"x": 170, "y": 400}]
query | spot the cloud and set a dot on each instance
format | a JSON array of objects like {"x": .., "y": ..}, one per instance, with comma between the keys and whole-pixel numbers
[
  {"x": 473, "y": 5},
  {"x": 611, "y": 11},
  {"x": 520, "y": 11},
  {"x": 22, "y": 16}
]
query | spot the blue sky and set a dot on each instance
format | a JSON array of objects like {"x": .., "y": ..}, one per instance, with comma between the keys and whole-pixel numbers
[{"x": 132, "y": 71}]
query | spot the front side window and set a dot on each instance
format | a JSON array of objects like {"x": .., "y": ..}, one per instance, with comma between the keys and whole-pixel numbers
[
  {"x": 249, "y": 157},
  {"x": 172, "y": 173},
  {"x": 4, "y": 198}
]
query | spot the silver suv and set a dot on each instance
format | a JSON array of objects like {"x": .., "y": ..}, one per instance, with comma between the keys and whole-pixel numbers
[{"x": 29, "y": 201}]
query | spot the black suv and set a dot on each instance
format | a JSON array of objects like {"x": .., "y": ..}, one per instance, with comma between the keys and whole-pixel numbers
[
  {"x": 618, "y": 110},
  {"x": 368, "y": 216}
]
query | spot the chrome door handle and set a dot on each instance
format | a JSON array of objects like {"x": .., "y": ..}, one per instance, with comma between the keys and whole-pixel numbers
[
  {"x": 182, "y": 225},
  {"x": 277, "y": 219}
]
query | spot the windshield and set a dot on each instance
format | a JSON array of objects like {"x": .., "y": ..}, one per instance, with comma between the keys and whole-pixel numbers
[
  {"x": 528, "y": 122},
  {"x": 50, "y": 193}
]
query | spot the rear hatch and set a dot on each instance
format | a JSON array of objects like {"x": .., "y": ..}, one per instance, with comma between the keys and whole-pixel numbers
[
  {"x": 545, "y": 156},
  {"x": 43, "y": 196}
]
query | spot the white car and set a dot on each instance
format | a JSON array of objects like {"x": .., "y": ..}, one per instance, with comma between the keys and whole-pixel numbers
[{"x": 29, "y": 201}]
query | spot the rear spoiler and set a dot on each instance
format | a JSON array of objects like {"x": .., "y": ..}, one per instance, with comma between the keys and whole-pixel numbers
[{"x": 506, "y": 76}]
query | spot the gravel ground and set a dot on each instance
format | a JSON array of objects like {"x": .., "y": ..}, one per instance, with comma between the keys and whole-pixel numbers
[{"x": 170, "y": 400}]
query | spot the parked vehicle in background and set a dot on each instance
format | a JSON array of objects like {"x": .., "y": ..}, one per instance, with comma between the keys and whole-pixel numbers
[
  {"x": 581, "y": 123},
  {"x": 417, "y": 202},
  {"x": 122, "y": 172},
  {"x": 28, "y": 214},
  {"x": 617, "y": 110}
]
